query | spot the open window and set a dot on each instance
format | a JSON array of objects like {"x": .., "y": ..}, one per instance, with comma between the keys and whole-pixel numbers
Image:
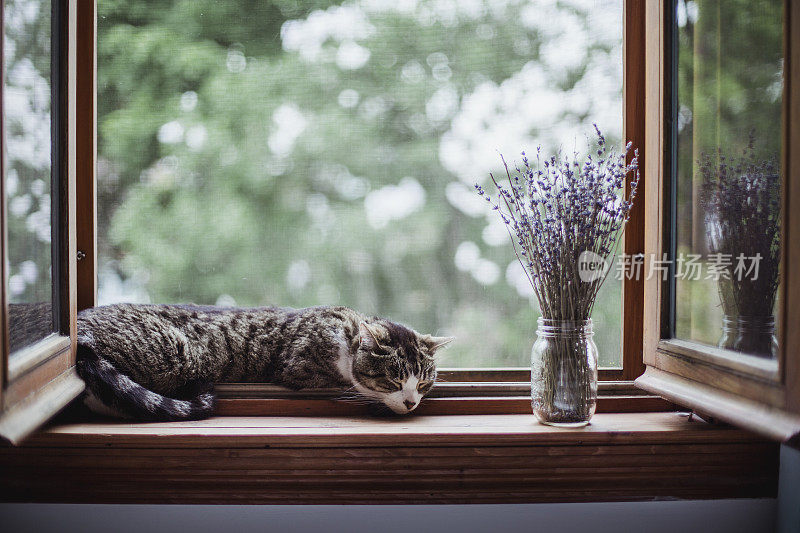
[
  {"x": 37, "y": 315},
  {"x": 146, "y": 207},
  {"x": 207, "y": 160},
  {"x": 721, "y": 315},
  {"x": 324, "y": 153}
]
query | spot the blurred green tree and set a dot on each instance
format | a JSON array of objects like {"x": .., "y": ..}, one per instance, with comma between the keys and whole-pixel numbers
[{"x": 295, "y": 153}]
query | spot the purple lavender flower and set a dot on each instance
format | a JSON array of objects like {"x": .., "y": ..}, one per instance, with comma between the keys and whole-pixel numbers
[
  {"x": 742, "y": 200},
  {"x": 558, "y": 211}
]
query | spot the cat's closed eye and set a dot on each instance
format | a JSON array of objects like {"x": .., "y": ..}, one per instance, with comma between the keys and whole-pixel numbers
[{"x": 389, "y": 384}]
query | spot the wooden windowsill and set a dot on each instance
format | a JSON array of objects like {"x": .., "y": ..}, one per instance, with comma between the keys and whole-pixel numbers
[
  {"x": 308, "y": 405},
  {"x": 417, "y": 459}
]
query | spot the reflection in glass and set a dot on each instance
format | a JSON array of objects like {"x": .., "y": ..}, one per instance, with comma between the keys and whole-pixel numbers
[
  {"x": 303, "y": 153},
  {"x": 730, "y": 88},
  {"x": 741, "y": 199},
  {"x": 27, "y": 172}
]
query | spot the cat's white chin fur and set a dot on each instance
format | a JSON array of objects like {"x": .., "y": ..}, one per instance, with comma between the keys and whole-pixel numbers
[{"x": 396, "y": 400}]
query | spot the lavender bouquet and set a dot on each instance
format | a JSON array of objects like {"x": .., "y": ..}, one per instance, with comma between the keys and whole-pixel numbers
[
  {"x": 561, "y": 214},
  {"x": 741, "y": 200}
]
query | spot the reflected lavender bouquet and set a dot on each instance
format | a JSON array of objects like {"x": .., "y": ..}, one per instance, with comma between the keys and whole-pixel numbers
[
  {"x": 562, "y": 214},
  {"x": 741, "y": 196}
]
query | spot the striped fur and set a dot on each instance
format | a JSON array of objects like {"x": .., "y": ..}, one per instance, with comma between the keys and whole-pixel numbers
[
  {"x": 120, "y": 395},
  {"x": 158, "y": 362}
]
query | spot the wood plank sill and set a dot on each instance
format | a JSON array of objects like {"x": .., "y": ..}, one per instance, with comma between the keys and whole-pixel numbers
[{"x": 422, "y": 459}]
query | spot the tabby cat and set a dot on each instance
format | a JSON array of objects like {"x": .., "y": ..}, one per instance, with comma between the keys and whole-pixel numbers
[{"x": 158, "y": 362}]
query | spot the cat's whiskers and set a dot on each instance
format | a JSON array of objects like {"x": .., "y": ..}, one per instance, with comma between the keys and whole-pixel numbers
[{"x": 351, "y": 395}]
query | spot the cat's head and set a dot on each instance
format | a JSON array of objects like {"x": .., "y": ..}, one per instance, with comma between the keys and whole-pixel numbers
[{"x": 395, "y": 364}]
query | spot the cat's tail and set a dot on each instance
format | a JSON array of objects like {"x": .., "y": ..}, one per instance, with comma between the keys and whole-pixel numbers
[{"x": 119, "y": 394}]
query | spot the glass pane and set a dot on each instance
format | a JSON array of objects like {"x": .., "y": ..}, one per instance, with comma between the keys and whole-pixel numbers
[
  {"x": 27, "y": 169},
  {"x": 305, "y": 153},
  {"x": 730, "y": 92}
]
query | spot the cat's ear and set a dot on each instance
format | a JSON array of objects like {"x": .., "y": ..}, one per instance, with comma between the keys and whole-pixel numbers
[
  {"x": 434, "y": 343},
  {"x": 368, "y": 337}
]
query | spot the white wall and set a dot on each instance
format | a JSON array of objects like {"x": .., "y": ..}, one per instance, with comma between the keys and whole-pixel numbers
[
  {"x": 723, "y": 516},
  {"x": 789, "y": 491}
]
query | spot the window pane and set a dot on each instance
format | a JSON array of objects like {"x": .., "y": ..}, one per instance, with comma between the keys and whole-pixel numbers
[
  {"x": 304, "y": 153},
  {"x": 730, "y": 90},
  {"x": 27, "y": 169}
]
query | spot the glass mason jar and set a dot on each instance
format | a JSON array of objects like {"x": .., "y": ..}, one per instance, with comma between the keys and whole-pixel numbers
[
  {"x": 753, "y": 335},
  {"x": 729, "y": 333},
  {"x": 564, "y": 373}
]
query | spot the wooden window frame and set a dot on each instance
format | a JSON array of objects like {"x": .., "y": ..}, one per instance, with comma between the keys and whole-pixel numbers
[
  {"x": 632, "y": 304},
  {"x": 38, "y": 380},
  {"x": 744, "y": 390},
  {"x": 493, "y": 381},
  {"x": 503, "y": 457},
  {"x": 37, "y": 385}
]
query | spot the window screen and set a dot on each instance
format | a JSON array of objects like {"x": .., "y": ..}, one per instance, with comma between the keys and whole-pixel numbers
[{"x": 302, "y": 153}]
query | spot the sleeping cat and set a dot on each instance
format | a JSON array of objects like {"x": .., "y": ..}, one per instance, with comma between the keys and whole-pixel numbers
[{"x": 158, "y": 362}]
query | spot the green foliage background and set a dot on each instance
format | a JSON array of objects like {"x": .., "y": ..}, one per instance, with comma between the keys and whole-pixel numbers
[
  {"x": 227, "y": 220},
  {"x": 204, "y": 198}
]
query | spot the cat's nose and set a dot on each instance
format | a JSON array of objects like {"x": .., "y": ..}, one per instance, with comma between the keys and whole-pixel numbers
[{"x": 409, "y": 404}]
